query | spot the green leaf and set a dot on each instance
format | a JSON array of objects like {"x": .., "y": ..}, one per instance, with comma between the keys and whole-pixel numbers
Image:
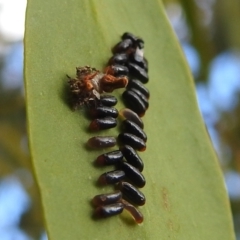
[{"x": 186, "y": 198}]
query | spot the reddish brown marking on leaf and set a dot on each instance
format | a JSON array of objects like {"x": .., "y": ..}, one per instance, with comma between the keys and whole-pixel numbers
[{"x": 165, "y": 198}]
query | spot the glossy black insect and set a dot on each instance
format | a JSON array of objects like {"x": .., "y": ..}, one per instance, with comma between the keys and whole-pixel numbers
[
  {"x": 136, "y": 214},
  {"x": 108, "y": 100},
  {"x": 119, "y": 58},
  {"x": 139, "y": 60},
  {"x": 142, "y": 97},
  {"x": 103, "y": 123},
  {"x": 132, "y": 140},
  {"x": 127, "y": 113},
  {"x": 117, "y": 70},
  {"x": 132, "y": 157},
  {"x": 128, "y": 35},
  {"x": 111, "y": 177},
  {"x": 123, "y": 46},
  {"x": 132, "y": 194},
  {"x": 134, "y": 102},
  {"x": 106, "y": 199},
  {"x": 102, "y": 112},
  {"x": 109, "y": 158},
  {"x": 131, "y": 127},
  {"x": 134, "y": 83},
  {"x": 138, "y": 42},
  {"x": 101, "y": 142},
  {"x": 108, "y": 210},
  {"x": 138, "y": 72},
  {"x": 133, "y": 174}
]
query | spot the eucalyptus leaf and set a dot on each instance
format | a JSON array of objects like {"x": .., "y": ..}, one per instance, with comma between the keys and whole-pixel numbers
[{"x": 185, "y": 193}]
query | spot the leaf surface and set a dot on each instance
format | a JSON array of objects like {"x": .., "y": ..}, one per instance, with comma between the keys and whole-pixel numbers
[{"x": 185, "y": 193}]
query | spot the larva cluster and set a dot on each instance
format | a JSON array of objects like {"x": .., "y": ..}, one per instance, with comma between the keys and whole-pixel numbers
[{"x": 127, "y": 68}]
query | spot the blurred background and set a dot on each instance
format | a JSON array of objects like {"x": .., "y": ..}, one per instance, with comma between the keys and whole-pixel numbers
[{"x": 209, "y": 33}]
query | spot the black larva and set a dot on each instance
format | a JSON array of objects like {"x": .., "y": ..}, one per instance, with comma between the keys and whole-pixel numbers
[
  {"x": 133, "y": 174},
  {"x": 128, "y": 60},
  {"x": 110, "y": 158},
  {"x": 138, "y": 72},
  {"x": 108, "y": 210},
  {"x": 111, "y": 177},
  {"x": 102, "y": 123},
  {"x": 132, "y": 140},
  {"x": 132, "y": 157},
  {"x": 134, "y": 102},
  {"x": 119, "y": 58},
  {"x": 137, "y": 42},
  {"x": 102, "y": 112},
  {"x": 136, "y": 84},
  {"x": 131, "y": 127},
  {"x": 108, "y": 100},
  {"x": 106, "y": 199},
  {"x": 132, "y": 194},
  {"x": 123, "y": 46},
  {"x": 142, "y": 97},
  {"x": 138, "y": 60},
  {"x": 117, "y": 70}
]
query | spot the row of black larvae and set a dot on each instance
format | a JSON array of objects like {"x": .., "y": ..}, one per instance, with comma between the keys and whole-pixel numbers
[
  {"x": 126, "y": 161},
  {"x": 126, "y": 69},
  {"x": 127, "y": 62}
]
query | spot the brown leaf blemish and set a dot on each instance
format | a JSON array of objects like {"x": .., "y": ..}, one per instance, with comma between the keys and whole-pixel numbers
[
  {"x": 165, "y": 198},
  {"x": 173, "y": 226}
]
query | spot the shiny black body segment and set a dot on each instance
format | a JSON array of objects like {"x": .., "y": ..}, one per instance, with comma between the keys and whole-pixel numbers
[
  {"x": 102, "y": 112},
  {"x": 138, "y": 42},
  {"x": 108, "y": 100},
  {"x": 131, "y": 127},
  {"x": 134, "y": 102},
  {"x": 132, "y": 140},
  {"x": 119, "y": 58},
  {"x": 109, "y": 158},
  {"x": 138, "y": 72},
  {"x": 106, "y": 199},
  {"x": 118, "y": 70},
  {"x": 108, "y": 210},
  {"x": 139, "y": 60},
  {"x": 132, "y": 194},
  {"x": 103, "y": 123},
  {"x": 142, "y": 97},
  {"x": 128, "y": 35},
  {"x": 123, "y": 46},
  {"x": 133, "y": 174},
  {"x": 136, "y": 84},
  {"x": 111, "y": 177},
  {"x": 132, "y": 157}
]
